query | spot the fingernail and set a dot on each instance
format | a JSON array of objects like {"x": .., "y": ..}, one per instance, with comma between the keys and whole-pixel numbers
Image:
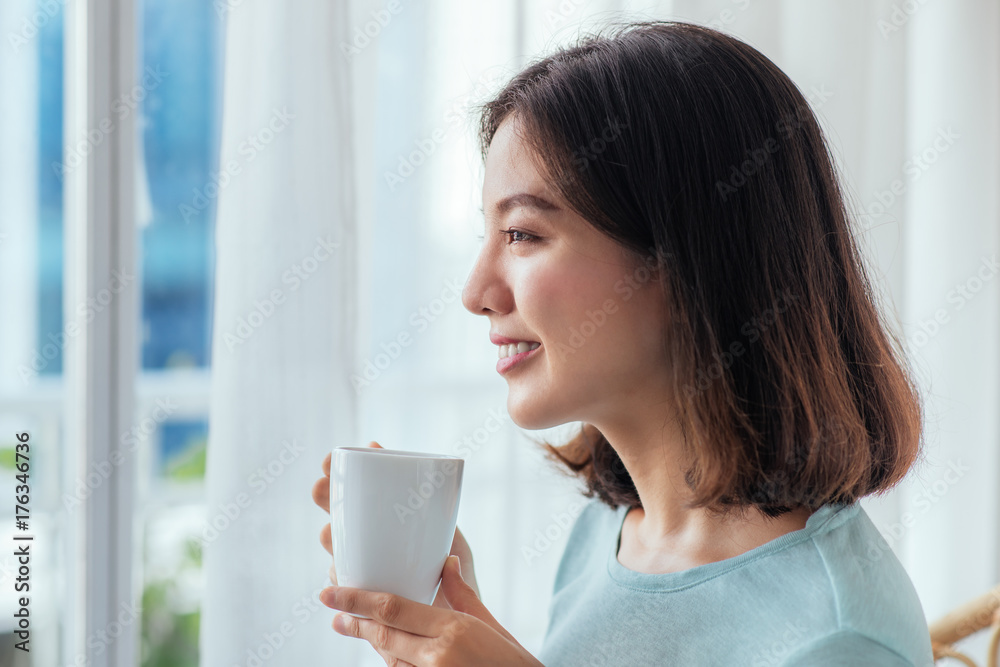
[
  {"x": 326, "y": 596},
  {"x": 340, "y": 622}
]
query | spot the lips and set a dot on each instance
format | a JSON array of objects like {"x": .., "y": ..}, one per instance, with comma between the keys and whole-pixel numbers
[
  {"x": 507, "y": 363},
  {"x": 497, "y": 339}
]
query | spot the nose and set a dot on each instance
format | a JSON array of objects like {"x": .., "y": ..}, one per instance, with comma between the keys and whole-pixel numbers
[{"x": 485, "y": 289}]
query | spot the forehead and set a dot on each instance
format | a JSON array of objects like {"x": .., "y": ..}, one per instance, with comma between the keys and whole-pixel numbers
[{"x": 511, "y": 168}]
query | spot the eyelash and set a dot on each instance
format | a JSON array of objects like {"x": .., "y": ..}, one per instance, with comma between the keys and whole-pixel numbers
[{"x": 510, "y": 235}]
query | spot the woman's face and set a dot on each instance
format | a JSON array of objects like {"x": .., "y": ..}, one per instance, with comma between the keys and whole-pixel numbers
[{"x": 559, "y": 282}]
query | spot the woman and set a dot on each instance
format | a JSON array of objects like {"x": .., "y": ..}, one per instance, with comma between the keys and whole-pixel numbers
[{"x": 669, "y": 261}]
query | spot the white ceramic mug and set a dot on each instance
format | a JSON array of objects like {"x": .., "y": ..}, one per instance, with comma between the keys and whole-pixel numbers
[{"x": 392, "y": 518}]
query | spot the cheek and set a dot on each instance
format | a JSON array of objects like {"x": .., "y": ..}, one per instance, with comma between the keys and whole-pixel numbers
[
  {"x": 572, "y": 306},
  {"x": 639, "y": 325}
]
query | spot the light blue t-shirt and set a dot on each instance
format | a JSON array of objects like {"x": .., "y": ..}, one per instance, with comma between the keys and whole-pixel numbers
[{"x": 831, "y": 594}]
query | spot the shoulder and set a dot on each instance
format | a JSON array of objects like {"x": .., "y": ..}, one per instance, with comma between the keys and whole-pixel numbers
[
  {"x": 847, "y": 648},
  {"x": 592, "y": 526},
  {"x": 590, "y": 517},
  {"x": 876, "y": 607}
]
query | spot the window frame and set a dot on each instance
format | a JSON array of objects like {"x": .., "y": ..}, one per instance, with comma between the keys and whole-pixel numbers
[{"x": 101, "y": 361}]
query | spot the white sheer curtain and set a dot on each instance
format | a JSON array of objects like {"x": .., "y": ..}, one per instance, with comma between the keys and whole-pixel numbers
[
  {"x": 283, "y": 331},
  {"x": 379, "y": 143}
]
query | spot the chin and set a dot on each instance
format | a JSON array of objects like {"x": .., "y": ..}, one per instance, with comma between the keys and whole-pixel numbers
[{"x": 531, "y": 415}]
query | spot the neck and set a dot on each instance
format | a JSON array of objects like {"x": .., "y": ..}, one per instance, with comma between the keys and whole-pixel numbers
[{"x": 665, "y": 533}]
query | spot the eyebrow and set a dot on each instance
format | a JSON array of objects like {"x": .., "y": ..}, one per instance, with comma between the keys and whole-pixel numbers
[{"x": 522, "y": 199}]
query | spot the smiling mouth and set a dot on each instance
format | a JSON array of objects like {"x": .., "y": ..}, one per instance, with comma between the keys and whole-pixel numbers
[
  {"x": 504, "y": 364},
  {"x": 510, "y": 349}
]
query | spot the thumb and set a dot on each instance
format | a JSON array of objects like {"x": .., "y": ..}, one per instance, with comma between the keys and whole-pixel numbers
[{"x": 462, "y": 597}]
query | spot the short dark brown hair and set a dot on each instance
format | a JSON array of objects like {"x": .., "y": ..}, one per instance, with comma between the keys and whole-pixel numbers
[{"x": 790, "y": 388}]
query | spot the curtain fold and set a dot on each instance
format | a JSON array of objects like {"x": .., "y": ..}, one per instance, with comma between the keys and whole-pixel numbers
[
  {"x": 951, "y": 248},
  {"x": 283, "y": 332}
]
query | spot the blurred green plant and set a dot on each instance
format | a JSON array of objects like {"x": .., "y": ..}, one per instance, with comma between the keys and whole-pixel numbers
[
  {"x": 7, "y": 458},
  {"x": 169, "y": 635},
  {"x": 191, "y": 465}
]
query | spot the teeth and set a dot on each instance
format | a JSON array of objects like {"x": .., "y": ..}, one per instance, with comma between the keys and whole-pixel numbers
[{"x": 511, "y": 349}]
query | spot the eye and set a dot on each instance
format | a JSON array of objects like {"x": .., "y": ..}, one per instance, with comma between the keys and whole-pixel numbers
[{"x": 512, "y": 233}]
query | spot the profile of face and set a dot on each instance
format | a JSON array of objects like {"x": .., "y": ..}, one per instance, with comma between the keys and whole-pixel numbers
[{"x": 545, "y": 275}]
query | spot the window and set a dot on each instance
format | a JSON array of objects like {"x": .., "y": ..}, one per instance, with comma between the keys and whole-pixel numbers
[{"x": 171, "y": 107}]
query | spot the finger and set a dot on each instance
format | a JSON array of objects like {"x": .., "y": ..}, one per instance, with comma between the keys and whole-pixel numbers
[
  {"x": 460, "y": 547},
  {"x": 326, "y": 538},
  {"x": 388, "y": 641},
  {"x": 374, "y": 445},
  {"x": 321, "y": 493},
  {"x": 332, "y": 573},
  {"x": 387, "y": 609},
  {"x": 394, "y": 662}
]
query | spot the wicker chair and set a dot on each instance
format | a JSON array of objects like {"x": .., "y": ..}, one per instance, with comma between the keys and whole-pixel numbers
[{"x": 971, "y": 617}]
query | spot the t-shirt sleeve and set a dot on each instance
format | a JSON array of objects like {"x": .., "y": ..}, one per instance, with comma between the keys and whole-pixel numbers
[{"x": 846, "y": 648}]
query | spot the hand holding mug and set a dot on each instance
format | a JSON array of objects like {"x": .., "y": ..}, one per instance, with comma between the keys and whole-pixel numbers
[
  {"x": 459, "y": 547},
  {"x": 390, "y": 539}
]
